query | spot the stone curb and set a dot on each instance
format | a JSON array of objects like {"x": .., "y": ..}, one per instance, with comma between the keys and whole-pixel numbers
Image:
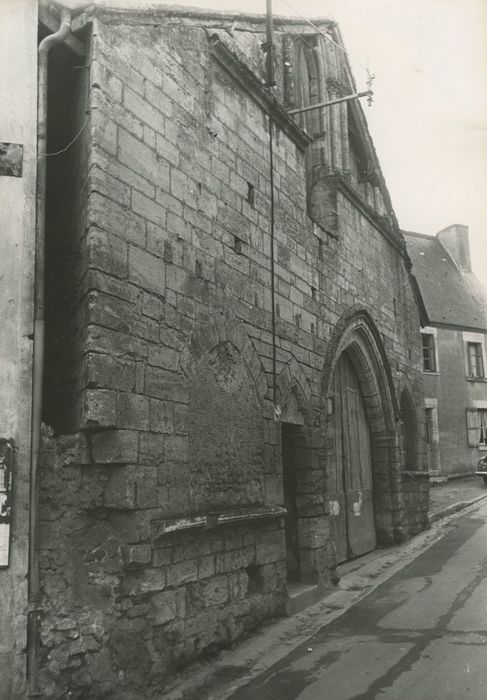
[{"x": 453, "y": 508}]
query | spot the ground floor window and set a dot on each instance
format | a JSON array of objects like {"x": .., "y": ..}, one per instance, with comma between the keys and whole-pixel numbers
[{"x": 477, "y": 426}]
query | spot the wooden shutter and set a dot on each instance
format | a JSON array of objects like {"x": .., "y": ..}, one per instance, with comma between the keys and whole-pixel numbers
[{"x": 473, "y": 426}]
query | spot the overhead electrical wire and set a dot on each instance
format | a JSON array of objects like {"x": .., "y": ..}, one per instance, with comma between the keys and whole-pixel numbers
[
  {"x": 71, "y": 143},
  {"x": 332, "y": 41}
]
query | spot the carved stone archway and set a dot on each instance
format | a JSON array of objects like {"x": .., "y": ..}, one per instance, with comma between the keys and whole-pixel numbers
[
  {"x": 356, "y": 335},
  {"x": 222, "y": 330}
]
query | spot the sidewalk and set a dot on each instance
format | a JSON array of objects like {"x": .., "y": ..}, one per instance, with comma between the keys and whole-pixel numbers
[
  {"x": 219, "y": 678},
  {"x": 454, "y": 495}
]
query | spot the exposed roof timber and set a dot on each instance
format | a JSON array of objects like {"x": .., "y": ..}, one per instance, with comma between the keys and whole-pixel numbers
[{"x": 52, "y": 22}]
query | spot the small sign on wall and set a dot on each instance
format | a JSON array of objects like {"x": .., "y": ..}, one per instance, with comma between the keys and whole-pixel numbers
[
  {"x": 6, "y": 464},
  {"x": 11, "y": 159}
]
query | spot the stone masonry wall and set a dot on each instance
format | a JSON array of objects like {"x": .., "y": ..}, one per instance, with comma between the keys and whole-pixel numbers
[
  {"x": 416, "y": 500},
  {"x": 161, "y": 512}
]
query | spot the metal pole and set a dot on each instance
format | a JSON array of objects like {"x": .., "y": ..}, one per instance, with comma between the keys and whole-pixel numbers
[
  {"x": 269, "y": 45},
  {"x": 299, "y": 110}
]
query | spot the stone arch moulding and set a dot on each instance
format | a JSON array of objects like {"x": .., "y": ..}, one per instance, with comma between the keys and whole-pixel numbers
[
  {"x": 292, "y": 382},
  {"x": 218, "y": 330},
  {"x": 357, "y": 335},
  {"x": 408, "y": 420}
]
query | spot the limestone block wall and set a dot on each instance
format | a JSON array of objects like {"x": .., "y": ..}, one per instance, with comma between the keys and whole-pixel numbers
[
  {"x": 162, "y": 493},
  {"x": 416, "y": 500}
]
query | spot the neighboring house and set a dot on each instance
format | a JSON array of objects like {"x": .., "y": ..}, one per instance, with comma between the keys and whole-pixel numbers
[
  {"x": 454, "y": 350},
  {"x": 233, "y": 395}
]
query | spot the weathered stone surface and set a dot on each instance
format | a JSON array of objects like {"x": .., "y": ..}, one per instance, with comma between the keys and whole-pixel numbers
[
  {"x": 133, "y": 411},
  {"x": 168, "y": 535},
  {"x": 114, "y": 446},
  {"x": 107, "y": 253},
  {"x": 99, "y": 408},
  {"x": 136, "y": 555},
  {"x": 106, "y": 371},
  {"x": 164, "y": 606},
  {"x": 147, "y": 271}
]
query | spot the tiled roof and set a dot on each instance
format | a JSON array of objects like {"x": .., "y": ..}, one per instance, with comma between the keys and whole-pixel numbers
[{"x": 450, "y": 296}]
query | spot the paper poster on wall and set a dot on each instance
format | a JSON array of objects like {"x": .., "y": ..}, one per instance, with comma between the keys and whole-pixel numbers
[{"x": 6, "y": 461}]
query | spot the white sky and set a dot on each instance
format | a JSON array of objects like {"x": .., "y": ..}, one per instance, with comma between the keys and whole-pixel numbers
[{"x": 429, "y": 116}]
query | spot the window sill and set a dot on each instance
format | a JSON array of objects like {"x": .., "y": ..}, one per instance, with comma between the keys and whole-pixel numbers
[
  {"x": 482, "y": 380},
  {"x": 429, "y": 373}
]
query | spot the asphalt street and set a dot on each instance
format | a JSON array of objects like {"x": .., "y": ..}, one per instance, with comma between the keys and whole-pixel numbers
[{"x": 421, "y": 635}]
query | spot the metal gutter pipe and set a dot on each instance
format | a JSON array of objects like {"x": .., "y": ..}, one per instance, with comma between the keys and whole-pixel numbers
[{"x": 38, "y": 350}]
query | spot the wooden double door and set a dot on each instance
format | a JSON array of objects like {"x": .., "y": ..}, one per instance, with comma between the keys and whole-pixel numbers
[{"x": 350, "y": 493}]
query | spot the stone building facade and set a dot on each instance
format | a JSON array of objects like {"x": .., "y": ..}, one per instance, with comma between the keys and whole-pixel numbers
[
  {"x": 233, "y": 398},
  {"x": 454, "y": 351}
]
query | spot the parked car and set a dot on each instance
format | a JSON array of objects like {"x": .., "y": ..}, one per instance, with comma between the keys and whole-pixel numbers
[{"x": 482, "y": 468}]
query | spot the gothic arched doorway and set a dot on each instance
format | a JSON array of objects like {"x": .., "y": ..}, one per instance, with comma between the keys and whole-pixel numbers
[{"x": 349, "y": 489}]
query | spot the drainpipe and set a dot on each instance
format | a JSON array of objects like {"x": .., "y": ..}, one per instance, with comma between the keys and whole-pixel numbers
[{"x": 38, "y": 352}]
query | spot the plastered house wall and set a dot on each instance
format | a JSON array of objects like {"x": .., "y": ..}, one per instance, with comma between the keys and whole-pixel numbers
[{"x": 18, "y": 94}]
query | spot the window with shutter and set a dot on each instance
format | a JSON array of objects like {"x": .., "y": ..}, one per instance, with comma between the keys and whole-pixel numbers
[
  {"x": 475, "y": 360},
  {"x": 476, "y": 426},
  {"x": 483, "y": 426}
]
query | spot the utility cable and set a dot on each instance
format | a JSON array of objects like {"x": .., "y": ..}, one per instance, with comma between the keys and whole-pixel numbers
[
  {"x": 71, "y": 143},
  {"x": 328, "y": 38},
  {"x": 63, "y": 150}
]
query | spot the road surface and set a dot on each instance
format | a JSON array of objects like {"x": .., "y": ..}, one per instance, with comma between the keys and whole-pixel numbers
[{"x": 422, "y": 635}]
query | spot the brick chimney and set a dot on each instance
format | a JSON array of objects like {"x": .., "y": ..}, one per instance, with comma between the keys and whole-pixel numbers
[{"x": 454, "y": 239}]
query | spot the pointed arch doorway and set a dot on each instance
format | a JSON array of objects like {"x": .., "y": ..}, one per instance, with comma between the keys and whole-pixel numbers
[{"x": 350, "y": 487}]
